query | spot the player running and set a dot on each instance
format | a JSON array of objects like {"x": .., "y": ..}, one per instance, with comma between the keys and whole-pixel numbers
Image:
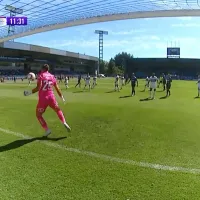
[
  {"x": 66, "y": 82},
  {"x": 117, "y": 83},
  {"x": 79, "y": 81},
  {"x": 45, "y": 84},
  {"x": 94, "y": 82},
  {"x": 134, "y": 81},
  {"x": 198, "y": 82},
  {"x": 146, "y": 83},
  {"x": 168, "y": 85},
  {"x": 153, "y": 85},
  {"x": 87, "y": 82}
]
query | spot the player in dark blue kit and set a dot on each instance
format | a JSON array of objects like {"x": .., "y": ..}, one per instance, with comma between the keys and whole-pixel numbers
[
  {"x": 168, "y": 85},
  {"x": 164, "y": 81},
  {"x": 79, "y": 81},
  {"x": 134, "y": 81}
]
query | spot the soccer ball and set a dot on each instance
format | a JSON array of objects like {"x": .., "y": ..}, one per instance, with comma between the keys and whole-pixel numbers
[{"x": 31, "y": 76}]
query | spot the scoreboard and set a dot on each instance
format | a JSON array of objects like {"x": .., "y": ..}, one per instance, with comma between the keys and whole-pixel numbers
[{"x": 173, "y": 52}]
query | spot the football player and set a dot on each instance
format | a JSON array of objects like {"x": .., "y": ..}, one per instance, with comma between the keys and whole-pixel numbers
[{"x": 153, "y": 85}]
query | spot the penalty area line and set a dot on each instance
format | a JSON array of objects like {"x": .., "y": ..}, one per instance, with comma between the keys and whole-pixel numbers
[{"x": 106, "y": 157}]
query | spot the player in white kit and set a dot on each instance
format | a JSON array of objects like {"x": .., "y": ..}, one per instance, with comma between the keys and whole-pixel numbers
[
  {"x": 117, "y": 83},
  {"x": 122, "y": 79},
  {"x": 87, "y": 82},
  {"x": 66, "y": 82},
  {"x": 153, "y": 85},
  {"x": 94, "y": 82},
  {"x": 198, "y": 82},
  {"x": 146, "y": 83}
]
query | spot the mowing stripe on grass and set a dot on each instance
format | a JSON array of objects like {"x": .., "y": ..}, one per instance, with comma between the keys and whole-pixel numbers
[{"x": 106, "y": 157}]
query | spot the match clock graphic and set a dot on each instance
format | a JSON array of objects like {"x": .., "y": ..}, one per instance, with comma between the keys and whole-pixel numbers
[{"x": 13, "y": 21}]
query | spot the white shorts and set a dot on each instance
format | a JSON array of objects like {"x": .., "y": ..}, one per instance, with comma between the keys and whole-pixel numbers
[
  {"x": 153, "y": 86},
  {"x": 87, "y": 83},
  {"x": 198, "y": 87}
]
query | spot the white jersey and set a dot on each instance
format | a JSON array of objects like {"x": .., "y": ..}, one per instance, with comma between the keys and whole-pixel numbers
[
  {"x": 147, "y": 80},
  {"x": 153, "y": 82},
  {"x": 117, "y": 79},
  {"x": 94, "y": 79},
  {"x": 66, "y": 80},
  {"x": 199, "y": 83},
  {"x": 87, "y": 80},
  {"x": 122, "y": 79}
]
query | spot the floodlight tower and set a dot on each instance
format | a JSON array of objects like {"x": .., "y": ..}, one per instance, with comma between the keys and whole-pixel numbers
[
  {"x": 101, "y": 33},
  {"x": 13, "y": 11}
]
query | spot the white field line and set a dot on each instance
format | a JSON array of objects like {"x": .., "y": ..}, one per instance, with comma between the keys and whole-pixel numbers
[{"x": 106, "y": 157}]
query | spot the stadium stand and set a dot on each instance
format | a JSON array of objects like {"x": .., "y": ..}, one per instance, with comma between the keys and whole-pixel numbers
[
  {"x": 18, "y": 59},
  {"x": 184, "y": 68}
]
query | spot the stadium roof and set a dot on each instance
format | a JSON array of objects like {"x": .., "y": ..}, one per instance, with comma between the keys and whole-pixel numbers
[
  {"x": 26, "y": 48},
  {"x": 46, "y": 15}
]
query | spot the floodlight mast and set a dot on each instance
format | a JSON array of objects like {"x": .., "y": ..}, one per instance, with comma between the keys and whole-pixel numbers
[
  {"x": 101, "y": 33},
  {"x": 13, "y": 11}
]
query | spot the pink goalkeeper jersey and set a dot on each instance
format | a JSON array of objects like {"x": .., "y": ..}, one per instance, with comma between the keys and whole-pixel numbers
[{"x": 46, "y": 81}]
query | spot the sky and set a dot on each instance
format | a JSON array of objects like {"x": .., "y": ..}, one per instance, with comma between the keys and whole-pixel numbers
[{"x": 143, "y": 38}]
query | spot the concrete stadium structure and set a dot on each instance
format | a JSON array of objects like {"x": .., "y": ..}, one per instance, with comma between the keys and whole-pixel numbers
[{"x": 30, "y": 57}]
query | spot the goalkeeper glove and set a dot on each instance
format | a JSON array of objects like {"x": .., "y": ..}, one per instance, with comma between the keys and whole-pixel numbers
[
  {"x": 27, "y": 93},
  {"x": 63, "y": 99}
]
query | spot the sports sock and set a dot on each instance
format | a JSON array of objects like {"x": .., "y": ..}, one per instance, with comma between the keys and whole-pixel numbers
[
  {"x": 61, "y": 116},
  {"x": 42, "y": 122},
  {"x": 153, "y": 94}
]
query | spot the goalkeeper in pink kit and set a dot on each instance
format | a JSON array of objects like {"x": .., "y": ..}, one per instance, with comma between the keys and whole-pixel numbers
[{"x": 45, "y": 83}]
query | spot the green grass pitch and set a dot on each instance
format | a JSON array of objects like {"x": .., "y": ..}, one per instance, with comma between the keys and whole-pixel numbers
[{"x": 128, "y": 131}]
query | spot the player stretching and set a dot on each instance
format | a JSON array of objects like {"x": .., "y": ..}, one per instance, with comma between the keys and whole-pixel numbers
[
  {"x": 45, "y": 84},
  {"x": 146, "y": 83},
  {"x": 117, "y": 83},
  {"x": 153, "y": 85},
  {"x": 66, "y": 82},
  {"x": 198, "y": 82},
  {"x": 134, "y": 81},
  {"x": 87, "y": 82},
  {"x": 168, "y": 85},
  {"x": 94, "y": 82},
  {"x": 79, "y": 81}
]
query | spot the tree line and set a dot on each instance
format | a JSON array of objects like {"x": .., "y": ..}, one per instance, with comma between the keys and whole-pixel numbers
[{"x": 117, "y": 65}]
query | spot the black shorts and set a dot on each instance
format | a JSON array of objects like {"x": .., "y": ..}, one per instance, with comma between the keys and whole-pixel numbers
[
  {"x": 133, "y": 85},
  {"x": 168, "y": 87}
]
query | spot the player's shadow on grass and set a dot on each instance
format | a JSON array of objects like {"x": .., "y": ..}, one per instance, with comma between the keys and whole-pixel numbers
[
  {"x": 19, "y": 143},
  {"x": 78, "y": 91},
  {"x": 110, "y": 91},
  {"x": 123, "y": 97},
  {"x": 160, "y": 90},
  {"x": 165, "y": 97},
  {"x": 196, "y": 97},
  {"x": 146, "y": 99}
]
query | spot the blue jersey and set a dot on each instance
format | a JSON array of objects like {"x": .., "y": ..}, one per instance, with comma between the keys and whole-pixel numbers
[
  {"x": 168, "y": 80},
  {"x": 133, "y": 80}
]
